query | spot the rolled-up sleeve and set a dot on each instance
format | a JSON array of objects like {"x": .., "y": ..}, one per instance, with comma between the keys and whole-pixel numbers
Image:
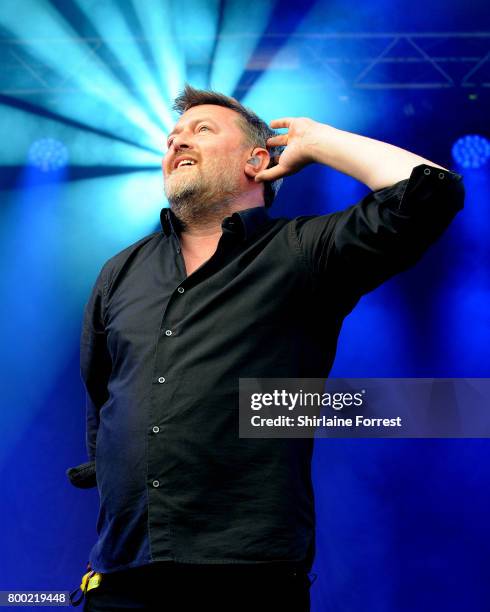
[
  {"x": 357, "y": 249},
  {"x": 95, "y": 361}
]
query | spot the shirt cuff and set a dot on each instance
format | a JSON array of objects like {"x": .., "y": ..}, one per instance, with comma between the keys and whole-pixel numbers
[
  {"x": 427, "y": 185},
  {"x": 83, "y": 476}
]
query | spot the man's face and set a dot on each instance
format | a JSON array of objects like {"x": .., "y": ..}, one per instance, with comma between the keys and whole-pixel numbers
[{"x": 205, "y": 157}]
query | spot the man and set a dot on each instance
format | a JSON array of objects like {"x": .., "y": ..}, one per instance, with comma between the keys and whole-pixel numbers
[{"x": 190, "y": 512}]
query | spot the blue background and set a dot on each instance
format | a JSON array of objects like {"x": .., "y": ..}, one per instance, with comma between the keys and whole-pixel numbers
[{"x": 402, "y": 524}]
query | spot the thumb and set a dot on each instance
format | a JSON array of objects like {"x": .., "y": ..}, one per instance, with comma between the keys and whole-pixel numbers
[{"x": 272, "y": 174}]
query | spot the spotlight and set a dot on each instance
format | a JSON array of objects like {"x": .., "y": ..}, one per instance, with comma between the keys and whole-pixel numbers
[
  {"x": 471, "y": 151},
  {"x": 48, "y": 154}
]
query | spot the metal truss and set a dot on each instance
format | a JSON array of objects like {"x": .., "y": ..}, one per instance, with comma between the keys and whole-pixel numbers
[{"x": 396, "y": 60}]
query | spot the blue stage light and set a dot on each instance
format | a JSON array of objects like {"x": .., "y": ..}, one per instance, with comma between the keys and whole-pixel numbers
[
  {"x": 471, "y": 151},
  {"x": 48, "y": 154}
]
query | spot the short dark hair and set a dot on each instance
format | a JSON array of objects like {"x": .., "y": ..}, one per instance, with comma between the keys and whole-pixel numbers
[{"x": 255, "y": 129}]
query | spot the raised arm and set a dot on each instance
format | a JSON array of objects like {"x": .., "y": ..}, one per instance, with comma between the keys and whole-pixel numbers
[
  {"x": 375, "y": 163},
  {"x": 412, "y": 202}
]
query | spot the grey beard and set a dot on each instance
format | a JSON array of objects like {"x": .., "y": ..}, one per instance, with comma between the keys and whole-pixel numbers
[{"x": 195, "y": 207}]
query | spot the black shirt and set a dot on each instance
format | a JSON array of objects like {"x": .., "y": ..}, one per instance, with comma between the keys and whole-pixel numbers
[{"x": 162, "y": 353}]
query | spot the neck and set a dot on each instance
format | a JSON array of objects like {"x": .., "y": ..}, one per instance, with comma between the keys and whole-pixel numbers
[{"x": 205, "y": 221}]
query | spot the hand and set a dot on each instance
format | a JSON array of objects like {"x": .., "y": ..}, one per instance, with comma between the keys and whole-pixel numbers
[{"x": 298, "y": 141}]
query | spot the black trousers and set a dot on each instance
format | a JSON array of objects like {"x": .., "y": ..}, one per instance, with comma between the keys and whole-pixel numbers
[{"x": 172, "y": 587}]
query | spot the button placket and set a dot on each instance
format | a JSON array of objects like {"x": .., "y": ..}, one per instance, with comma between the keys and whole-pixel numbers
[{"x": 162, "y": 390}]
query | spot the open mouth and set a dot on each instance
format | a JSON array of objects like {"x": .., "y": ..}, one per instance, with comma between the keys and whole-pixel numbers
[{"x": 185, "y": 162}]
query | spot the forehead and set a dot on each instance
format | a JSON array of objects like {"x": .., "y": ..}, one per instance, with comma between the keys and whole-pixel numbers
[{"x": 220, "y": 114}]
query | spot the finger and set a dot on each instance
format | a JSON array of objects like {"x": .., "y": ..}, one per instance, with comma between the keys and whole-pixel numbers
[
  {"x": 283, "y": 122},
  {"x": 277, "y": 141},
  {"x": 272, "y": 174}
]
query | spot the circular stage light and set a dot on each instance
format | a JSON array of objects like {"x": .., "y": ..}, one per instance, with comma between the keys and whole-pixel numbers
[
  {"x": 48, "y": 154},
  {"x": 471, "y": 151}
]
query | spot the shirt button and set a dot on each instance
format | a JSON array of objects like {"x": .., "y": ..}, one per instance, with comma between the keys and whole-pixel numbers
[
  {"x": 156, "y": 483},
  {"x": 441, "y": 175},
  {"x": 180, "y": 289},
  {"x": 168, "y": 332},
  {"x": 427, "y": 171},
  {"x": 155, "y": 429},
  {"x": 161, "y": 379}
]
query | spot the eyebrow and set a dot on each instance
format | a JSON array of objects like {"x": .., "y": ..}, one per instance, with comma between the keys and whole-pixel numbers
[{"x": 192, "y": 123}]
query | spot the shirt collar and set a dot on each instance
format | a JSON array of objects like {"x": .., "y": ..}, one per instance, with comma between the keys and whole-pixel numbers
[{"x": 245, "y": 222}]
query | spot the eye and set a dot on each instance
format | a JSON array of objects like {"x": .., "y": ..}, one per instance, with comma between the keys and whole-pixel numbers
[{"x": 202, "y": 127}]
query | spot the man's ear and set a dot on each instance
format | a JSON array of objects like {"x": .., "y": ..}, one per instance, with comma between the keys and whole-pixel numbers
[{"x": 257, "y": 161}]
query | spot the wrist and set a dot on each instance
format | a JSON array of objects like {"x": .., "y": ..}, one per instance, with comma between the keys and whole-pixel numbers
[{"x": 322, "y": 144}]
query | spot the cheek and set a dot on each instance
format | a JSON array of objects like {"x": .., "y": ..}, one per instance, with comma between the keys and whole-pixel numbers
[{"x": 221, "y": 161}]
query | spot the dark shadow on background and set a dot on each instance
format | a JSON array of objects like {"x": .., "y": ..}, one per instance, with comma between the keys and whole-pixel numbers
[
  {"x": 219, "y": 28},
  {"x": 133, "y": 24},
  {"x": 34, "y": 109},
  {"x": 10, "y": 176},
  {"x": 77, "y": 19},
  {"x": 267, "y": 48}
]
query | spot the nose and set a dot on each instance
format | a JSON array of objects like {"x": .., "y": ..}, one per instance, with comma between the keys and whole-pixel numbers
[{"x": 181, "y": 141}]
